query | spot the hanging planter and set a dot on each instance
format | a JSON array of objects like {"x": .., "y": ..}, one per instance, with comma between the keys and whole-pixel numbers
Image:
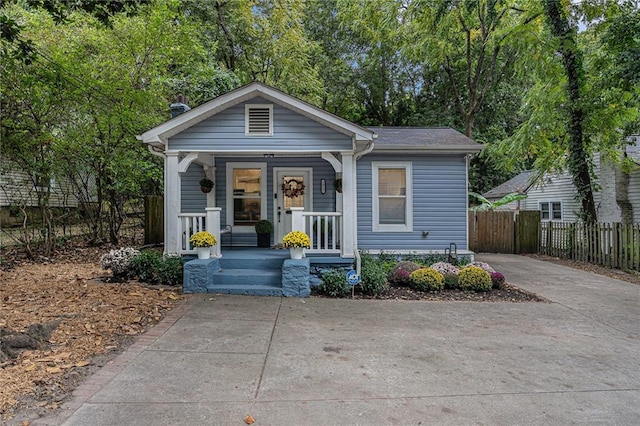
[
  {"x": 206, "y": 185},
  {"x": 337, "y": 185}
]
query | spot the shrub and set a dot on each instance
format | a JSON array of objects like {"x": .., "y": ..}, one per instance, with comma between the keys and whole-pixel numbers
[
  {"x": 474, "y": 278},
  {"x": 399, "y": 274},
  {"x": 334, "y": 284},
  {"x": 152, "y": 267},
  {"x": 144, "y": 266},
  {"x": 484, "y": 266},
  {"x": 450, "y": 281},
  {"x": 374, "y": 279},
  {"x": 118, "y": 260},
  {"x": 263, "y": 226},
  {"x": 497, "y": 279},
  {"x": 445, "y": 268},
  {"x": 426, "y": 279},
  {"x": 170, "y": 270}
]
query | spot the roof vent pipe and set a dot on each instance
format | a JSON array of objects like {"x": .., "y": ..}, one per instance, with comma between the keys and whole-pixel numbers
[{"x": 179, "y": 106}]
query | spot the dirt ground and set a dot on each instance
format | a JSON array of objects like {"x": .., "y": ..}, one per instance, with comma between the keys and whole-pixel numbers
[{"x": 90, "y": 322}]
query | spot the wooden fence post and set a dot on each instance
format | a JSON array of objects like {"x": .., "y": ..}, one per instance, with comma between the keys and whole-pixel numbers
[{"x": 153, "y": 219}]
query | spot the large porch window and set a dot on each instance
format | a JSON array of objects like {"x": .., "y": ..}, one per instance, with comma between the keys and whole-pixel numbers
[
  {"x": 246, "y": 194},
  {"x": 392, "y": 196}
]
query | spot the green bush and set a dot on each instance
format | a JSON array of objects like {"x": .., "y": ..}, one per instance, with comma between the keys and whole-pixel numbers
[
  {"x": 450, "y": 281},
  {"x": 144, "y": 266},
  {"x": 170, "y": 270},
  {"x": 374, "y": 278},
  {"x": 426, "y": 279},
  {"x": 474, "y": 278},
  {"x": 399, "y": 274},
  {"x": 334, "y": 284},
  {"x": 154, "y": 268}
]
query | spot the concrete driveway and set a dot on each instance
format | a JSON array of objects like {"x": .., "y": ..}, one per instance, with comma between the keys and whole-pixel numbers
[{"x": 217, "y": 359}]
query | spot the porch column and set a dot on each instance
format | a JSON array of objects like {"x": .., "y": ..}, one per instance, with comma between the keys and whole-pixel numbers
[
  {"x": 297, "y": 220},
  {"x": 349, "y": 223},
  {"x": 172, "y": 203},
  {"x": 213, "y": 227}
]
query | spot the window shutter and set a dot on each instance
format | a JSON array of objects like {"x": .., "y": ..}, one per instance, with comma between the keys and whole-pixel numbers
[{"x": 259, "y": 121}]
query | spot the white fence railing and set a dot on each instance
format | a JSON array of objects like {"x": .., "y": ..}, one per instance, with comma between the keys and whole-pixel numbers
[
  {"x": 324, "y": 229},
  {"x": 189, "y": 224}
]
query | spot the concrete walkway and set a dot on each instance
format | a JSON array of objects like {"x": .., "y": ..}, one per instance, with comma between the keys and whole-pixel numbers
[{"x": 217, "y": 359}]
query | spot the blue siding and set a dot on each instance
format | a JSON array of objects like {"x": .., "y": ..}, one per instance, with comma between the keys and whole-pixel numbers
[
  {"x": 439, "y": 204},
  {"x": 291, "y": 131},
  {"x": 195, "y": 201}
]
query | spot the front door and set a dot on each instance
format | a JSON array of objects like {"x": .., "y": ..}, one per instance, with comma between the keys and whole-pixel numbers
[{"x": 293, "y": 188}]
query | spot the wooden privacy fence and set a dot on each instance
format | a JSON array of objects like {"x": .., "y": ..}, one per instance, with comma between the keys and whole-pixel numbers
[
  {"x": 153, "y": 219},
  {"x": 615, "y": 245},
  {"x": 504, "y": 231}
]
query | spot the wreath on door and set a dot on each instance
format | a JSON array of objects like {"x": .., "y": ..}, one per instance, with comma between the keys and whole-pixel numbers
[{"x": 293, "y": 188}]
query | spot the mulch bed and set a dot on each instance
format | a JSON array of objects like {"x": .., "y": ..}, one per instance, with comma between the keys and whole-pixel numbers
[{"x": 508, "y": 293}]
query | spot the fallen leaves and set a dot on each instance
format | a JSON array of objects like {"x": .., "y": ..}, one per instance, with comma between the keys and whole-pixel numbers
[
  {"x": 249, "y": 420},
  {"x": 94, "y": 318}
]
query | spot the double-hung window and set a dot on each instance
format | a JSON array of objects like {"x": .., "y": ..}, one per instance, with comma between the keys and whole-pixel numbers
[
  {"x": 392, "y": 201},
  {"x": 246, "y": 194},
  {"x": 551, "y": 210}
]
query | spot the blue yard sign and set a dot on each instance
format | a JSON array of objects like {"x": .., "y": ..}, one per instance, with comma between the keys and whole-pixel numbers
[{"x": 353, "y": 278}]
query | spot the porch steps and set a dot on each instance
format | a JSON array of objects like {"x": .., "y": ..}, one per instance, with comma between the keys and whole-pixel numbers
[{"x": 250, "y": 272}]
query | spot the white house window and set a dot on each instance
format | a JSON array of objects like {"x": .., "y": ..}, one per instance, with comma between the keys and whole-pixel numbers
[
  {"x": 392, "y": 196},
  {"x": 258, "y": 119},
  {"x": 551, "y": 210},
  {"x": 246, "y": 194}
]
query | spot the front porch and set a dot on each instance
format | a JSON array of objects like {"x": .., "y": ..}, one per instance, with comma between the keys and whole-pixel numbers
[{"x": 258, "y": 271}]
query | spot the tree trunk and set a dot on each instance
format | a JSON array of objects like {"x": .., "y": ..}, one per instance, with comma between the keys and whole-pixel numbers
[{"x": 578, "y": 161}]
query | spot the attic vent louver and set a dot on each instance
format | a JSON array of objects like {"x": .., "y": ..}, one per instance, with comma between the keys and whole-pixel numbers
[{"x": 259, "y": 120}]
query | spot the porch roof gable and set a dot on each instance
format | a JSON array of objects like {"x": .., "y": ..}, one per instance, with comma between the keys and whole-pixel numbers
[{"x": 161, "y": 133}]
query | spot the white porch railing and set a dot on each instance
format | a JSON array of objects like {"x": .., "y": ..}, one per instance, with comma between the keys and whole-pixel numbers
[
  {"x": 190, "y": 223},
  {"x": 324, "y": 229}
]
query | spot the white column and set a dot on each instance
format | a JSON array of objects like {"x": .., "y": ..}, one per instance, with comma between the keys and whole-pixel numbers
[
  {"x": 171, "y": 203},
  {"x": 348, "y": 206},
  {"x": 297, "y": 220},
  {"x": 213, "y": 227}
]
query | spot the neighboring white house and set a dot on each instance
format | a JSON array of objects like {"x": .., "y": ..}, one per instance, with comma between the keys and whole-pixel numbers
[{"x": 554, "y": 194}]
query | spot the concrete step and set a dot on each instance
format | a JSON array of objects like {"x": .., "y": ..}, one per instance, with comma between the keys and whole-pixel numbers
[
  {"x": 251, "y": 263},
  {"x": 247, "y": 289},
  {"x": 247, "y": 277}
]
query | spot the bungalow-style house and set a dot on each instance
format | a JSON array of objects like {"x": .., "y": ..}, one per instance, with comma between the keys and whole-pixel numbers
[
  {"x": 273, "y": 156},
  {"x": 616, "y": 193}
]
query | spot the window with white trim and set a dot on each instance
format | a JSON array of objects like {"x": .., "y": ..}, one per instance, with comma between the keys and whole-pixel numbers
[
  {"x": 246, "y": 194},
  {"x": 258, "y": 119},
  {"x": 551, "y": 210},
  {"x": 392, "y": 200}
]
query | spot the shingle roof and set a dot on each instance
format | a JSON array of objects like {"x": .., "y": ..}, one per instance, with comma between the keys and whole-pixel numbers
[
  {"x": 519, "y": 184},
  {"x": 436, "y": 138}
]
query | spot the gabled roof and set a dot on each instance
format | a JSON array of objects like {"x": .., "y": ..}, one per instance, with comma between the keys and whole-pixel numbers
[
  {"x": 160, "y": 133},
  {"x": 440, "y": 139},
  {"x": 519, "y": 184}
]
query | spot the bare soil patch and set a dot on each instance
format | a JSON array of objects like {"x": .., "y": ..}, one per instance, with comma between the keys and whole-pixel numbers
[{"x": 71, "y": 321}]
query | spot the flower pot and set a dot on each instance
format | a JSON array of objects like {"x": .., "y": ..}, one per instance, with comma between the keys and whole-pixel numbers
[
  {"x": 203, "y": 252},
  {"x": 296, "y": 252},
  {"x": 264, "y": 240},
  {"x": 206, "y": 189}
]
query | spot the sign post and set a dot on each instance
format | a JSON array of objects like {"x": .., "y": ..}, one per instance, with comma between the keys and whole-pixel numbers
[{"x": 353, "y": 279}]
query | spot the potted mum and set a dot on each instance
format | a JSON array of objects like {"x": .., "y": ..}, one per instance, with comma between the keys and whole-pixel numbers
[
  {"x": 264, "y": 228},
  {"x": 206, "y": 185},
  {"x": 203, "y": 241},
  {"x": 296, "y": 242}
]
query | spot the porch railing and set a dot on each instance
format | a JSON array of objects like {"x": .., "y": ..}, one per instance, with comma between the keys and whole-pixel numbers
[
  {"x": 324, "y": 229},
  {"x": 190, "y": 223}
]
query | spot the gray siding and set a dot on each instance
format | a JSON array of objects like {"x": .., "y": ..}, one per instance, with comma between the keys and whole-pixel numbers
[
  {"x": 16, "y": 188},
  {"x": 291, "y": 131},
  {"x": 195, "y": 201},
  {"x": 439, "y": 204}
]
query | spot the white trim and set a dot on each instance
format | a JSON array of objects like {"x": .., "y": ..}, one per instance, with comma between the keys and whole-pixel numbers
[
  {"x": 247, "y": 108},
  {"x": 161, "y": 133},
  {"x": 229, "y": 189},
  {"x": 550, "y": 202},
  {"x": 375, "y": 202}
]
